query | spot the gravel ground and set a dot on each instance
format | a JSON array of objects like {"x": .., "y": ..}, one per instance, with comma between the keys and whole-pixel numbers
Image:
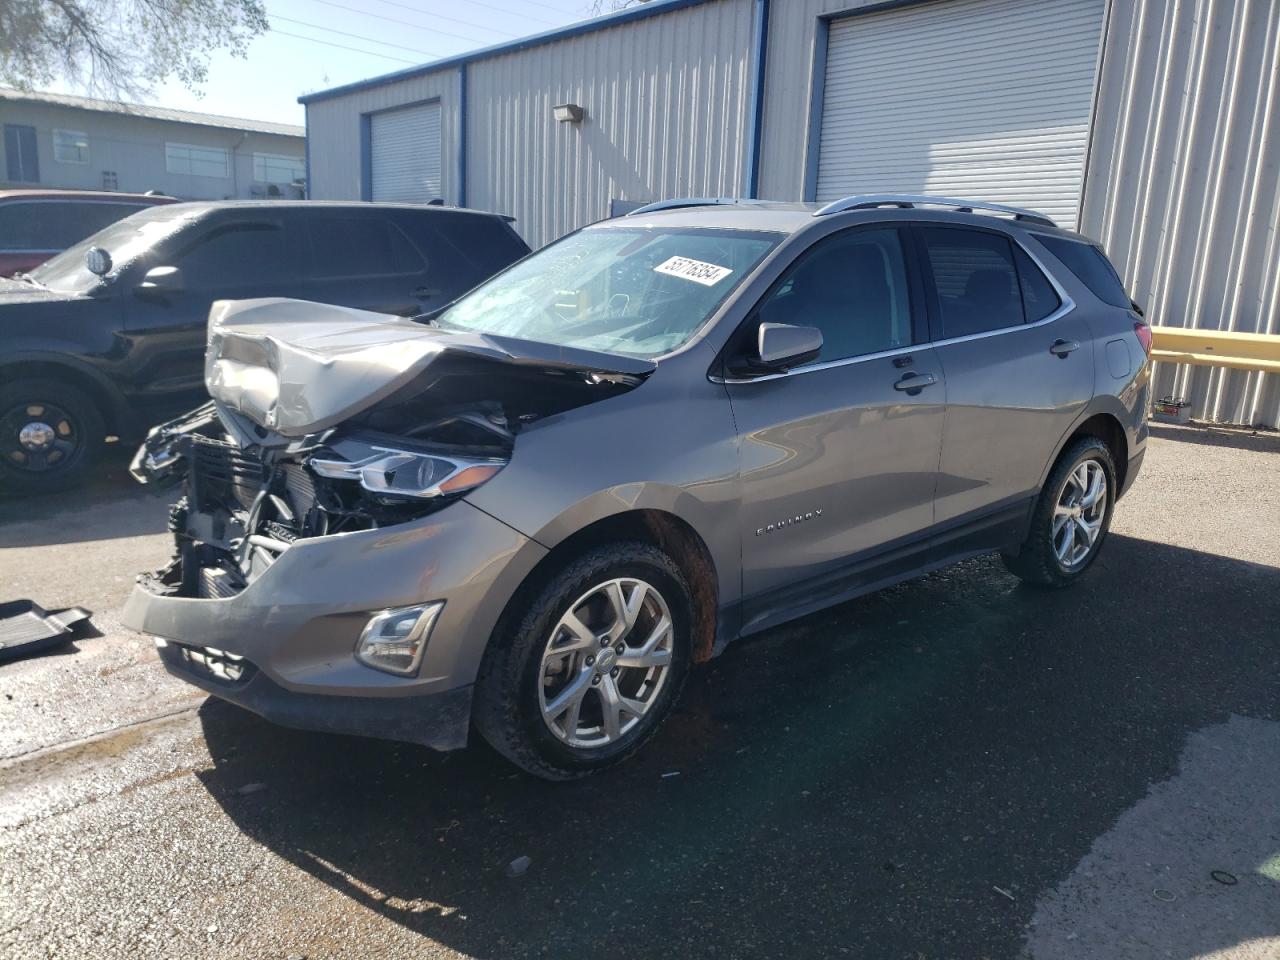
[{"x": 958, "y": 767}]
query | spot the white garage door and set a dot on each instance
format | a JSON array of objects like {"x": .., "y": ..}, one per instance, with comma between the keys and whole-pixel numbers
[
  {"x": 405, "y": 154},
  {"x": 982, "y": 99}
]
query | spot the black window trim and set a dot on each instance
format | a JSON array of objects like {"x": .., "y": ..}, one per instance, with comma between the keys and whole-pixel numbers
[
  {"x": 916, "y": 301},
  {"x": 931, "y": 298}
]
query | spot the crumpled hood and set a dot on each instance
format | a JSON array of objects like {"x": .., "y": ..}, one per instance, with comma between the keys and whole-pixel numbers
[{"x": 297, "y": 367}]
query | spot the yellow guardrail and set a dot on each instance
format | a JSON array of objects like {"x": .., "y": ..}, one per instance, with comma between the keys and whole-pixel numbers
[{"x": 1217, "y": 348}]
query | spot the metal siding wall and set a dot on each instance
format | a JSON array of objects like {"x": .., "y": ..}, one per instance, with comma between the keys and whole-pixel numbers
[
  {"x": 1183, "y": 182},
  {"x": 666, "y": 101},
  {"x": 333, "y": 127}
]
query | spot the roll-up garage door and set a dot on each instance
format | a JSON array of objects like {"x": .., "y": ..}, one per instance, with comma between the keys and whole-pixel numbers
[
  {"x": 981, "y": 99},
  {"x": 405, "y": 154}
]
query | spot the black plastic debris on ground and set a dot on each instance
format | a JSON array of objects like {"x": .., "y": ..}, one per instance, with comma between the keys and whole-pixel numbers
[{"x": 27, "y": 628}]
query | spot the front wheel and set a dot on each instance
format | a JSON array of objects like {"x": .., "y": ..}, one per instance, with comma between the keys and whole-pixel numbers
[
  {"x": 1071, "y": 519},
  {"x": 591, "y": 667}
]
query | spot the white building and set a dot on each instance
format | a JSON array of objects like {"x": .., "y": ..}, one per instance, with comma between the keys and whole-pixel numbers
[
  {"x": 1149, "y": 125},
  {"x": 52, "y": 140}
]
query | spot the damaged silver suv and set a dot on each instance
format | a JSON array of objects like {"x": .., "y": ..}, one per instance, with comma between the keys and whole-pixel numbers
[{"x": 529, "y": 513}]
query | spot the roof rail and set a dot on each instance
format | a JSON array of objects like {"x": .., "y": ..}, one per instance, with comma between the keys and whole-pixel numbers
[
  {"x": 679, "y": 202},
  {"x": 872, "y": 200}
]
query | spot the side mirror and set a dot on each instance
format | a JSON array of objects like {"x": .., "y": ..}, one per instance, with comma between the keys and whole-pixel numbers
[
  {"x": 97, "y": 261},
  {"x": 162, "y": 280},
  {"x": 781, "y": 346}
]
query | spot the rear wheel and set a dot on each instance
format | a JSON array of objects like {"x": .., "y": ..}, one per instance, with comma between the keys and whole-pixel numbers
[
  {"x": 1071, "y": 517},
  {"x": 50, "y": 434},
  {"x": 592, "y": 665}
]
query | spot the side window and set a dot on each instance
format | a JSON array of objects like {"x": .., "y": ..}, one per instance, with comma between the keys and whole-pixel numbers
[
  {"x": 976, "y": 280},
  {"x": 238, "y": 255},
  {"x": 1038, "y": 296},
  {"x": 852, "y": 287},
  {"x": 1092, "y": 267},
  {"x": 361, "y": 247}
]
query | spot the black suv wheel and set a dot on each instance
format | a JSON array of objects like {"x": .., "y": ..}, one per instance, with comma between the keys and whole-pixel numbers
[{"x": 50, "y": 434}]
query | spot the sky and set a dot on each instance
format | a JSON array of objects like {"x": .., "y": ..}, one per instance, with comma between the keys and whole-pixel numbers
[{"x": 316, "y": 44}]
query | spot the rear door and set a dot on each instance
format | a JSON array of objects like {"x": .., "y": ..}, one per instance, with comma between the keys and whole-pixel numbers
[
  {"x": 1017, "y": 362},
  {"x": 363, "y": 259},
  {"x": 838, "y": 457}
]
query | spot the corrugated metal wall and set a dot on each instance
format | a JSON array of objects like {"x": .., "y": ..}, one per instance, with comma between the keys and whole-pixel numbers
[
  {"x": 333, "y": 128},
  {"x": 1183, "y": 183},
  {"x": 666, "y": 100}
]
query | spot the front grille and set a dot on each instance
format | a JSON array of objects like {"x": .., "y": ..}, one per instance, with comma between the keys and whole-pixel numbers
[{"x": 220, "y": 473}]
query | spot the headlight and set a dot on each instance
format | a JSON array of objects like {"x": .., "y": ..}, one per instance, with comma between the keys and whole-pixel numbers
[
  {"x": 395, "y": 640},
  {"x": 407, "y": 473}
]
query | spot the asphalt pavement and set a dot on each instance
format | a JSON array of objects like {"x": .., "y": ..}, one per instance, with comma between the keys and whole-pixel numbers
[{"x": 959, "y": 767}]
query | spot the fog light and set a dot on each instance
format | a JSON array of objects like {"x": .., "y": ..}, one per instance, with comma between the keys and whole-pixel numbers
[{"x": 394, "y": 640}]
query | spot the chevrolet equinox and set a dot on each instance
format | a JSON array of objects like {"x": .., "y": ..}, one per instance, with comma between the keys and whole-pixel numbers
[{"x": 529, "y": 512}]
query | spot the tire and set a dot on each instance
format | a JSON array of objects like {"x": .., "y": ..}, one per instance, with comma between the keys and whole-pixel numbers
[
  {"x": 64, "y": 433},
  {"x": 1039, "y": 560},
  {"x": 535, "y": 662}
]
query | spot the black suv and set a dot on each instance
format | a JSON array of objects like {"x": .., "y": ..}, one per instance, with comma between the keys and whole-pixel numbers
[{"x": 108, "y": 337}]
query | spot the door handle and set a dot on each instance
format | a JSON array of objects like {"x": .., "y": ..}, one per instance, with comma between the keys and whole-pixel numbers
[
  {"x": 1061, "y": 348},
  {"x": 424, "y": 292},
  {"x": 913, "y": 383}
]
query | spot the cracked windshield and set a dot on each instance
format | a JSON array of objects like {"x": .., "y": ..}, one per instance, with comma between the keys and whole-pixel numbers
[{"x": 641, "y": 292}]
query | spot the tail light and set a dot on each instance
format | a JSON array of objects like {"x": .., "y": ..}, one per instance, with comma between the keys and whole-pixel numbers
[{"x": 1144, "y": 336}]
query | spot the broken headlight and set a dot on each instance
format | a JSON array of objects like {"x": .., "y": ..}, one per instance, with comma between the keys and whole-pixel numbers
[{"x": 391, "y": 473}]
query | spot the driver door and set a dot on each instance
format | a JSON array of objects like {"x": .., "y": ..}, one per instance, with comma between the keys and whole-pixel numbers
[{"x": 839, "y": 456}]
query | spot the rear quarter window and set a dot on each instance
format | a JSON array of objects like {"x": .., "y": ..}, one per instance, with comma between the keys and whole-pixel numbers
[{"x": 1091, "y": 266}]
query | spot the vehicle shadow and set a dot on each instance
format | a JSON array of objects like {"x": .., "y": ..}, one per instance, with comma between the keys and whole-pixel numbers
[{"x": 857, "y": 783}]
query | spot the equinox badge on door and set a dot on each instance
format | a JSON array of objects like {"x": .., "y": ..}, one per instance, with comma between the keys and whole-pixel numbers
[{"x": 789, "y": 522}]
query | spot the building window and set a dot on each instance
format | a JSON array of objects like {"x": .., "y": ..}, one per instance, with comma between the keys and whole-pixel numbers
[
  {"x": 22, "y": 164},
  {"x": 183, "y": 158},
  {"x": 70, "y": 146},
  {"x": 272, "y": 168}
]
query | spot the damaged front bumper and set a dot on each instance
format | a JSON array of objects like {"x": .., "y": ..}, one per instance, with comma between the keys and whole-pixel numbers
[
  {"x": 285, "y": 645},
  {"x": 328, "y": 572},
  {"x": 280, "y": 572}
]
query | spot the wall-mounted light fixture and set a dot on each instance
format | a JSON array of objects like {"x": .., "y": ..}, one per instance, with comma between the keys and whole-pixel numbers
[{"x": 568, "y": 112}]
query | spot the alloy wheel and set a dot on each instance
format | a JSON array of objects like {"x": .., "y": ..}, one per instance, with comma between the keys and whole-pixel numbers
[
  {"x": 605, "y": 663},
  {"x": 1079, "y": 515}
]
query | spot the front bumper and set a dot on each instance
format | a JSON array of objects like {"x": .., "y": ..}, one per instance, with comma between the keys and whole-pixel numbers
[
  {"x": 440, "y": 720},
  {"x": 297, "y": 624}
]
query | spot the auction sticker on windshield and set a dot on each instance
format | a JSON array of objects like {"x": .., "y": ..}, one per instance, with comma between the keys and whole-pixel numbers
[{"x": 707, "y": 274}]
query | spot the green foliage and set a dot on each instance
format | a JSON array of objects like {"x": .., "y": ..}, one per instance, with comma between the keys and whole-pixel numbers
[{"x": 121, "y": 47}]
